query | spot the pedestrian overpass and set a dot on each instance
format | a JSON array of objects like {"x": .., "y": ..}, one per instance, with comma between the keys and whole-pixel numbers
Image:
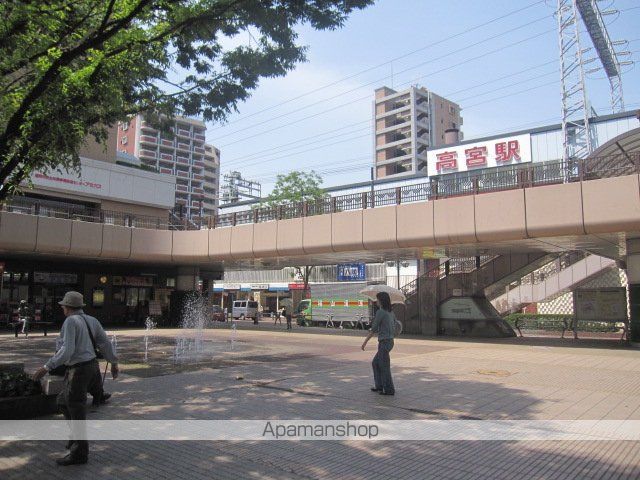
[
  {"x": 519, "y": 215},
  {"x": 535, "y": 209}
]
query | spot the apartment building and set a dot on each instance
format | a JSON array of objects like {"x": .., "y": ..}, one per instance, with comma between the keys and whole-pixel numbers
[
  {"x": 408, "y": 122},
  {"x": 184, "y": 154}
]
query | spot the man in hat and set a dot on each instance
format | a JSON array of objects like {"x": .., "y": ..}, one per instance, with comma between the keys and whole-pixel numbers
[{"x": 80, "y": 334}]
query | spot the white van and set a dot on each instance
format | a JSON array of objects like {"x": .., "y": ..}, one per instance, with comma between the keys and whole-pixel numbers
[{"x": 244, "y": 309}]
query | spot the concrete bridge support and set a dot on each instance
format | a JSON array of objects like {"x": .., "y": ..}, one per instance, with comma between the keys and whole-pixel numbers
[{"x": 633, "y": 289}]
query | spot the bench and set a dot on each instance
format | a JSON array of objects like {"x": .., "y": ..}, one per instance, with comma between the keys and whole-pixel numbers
[
  {"x": 614, "y": 323},
  {"x": 523, "y": 322},
  {"x": 18, "y": 325}
]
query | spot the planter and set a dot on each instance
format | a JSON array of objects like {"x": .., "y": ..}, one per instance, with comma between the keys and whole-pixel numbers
[{"x": 32, "y": 406}]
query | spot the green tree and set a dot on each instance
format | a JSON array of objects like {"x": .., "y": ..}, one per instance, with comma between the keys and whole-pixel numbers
[
  {"x": 69, "y": 68},
  {"x": 297, "y": 187},
  {"x": 294, "y": 187}
]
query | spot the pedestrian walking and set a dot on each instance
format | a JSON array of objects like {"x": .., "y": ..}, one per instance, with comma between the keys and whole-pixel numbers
[
  {"x": 82, "y": 336},
  {"x": 96, "y": 390},
  {"x": 384, "y": 325},
  {"x": 287, "y": 311}
]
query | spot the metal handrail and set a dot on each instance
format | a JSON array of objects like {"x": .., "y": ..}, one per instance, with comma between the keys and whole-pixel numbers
[{"x": 457, "y": 184}]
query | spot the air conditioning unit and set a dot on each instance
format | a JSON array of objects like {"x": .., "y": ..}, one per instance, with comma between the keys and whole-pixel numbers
[
  {"x": 125, "y": 127},
  {"x": 124, "y": 140}
]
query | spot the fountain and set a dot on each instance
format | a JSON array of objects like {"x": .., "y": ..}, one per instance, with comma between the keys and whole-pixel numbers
[
  {"x": 149, "y": 325},
  {"x": 190, "y": 342},
  {"x": 234, "y": 334}
]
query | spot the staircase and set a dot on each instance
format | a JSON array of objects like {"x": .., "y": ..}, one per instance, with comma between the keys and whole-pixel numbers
[
  {"x": 461, "y": 277},
  {"x": 529, "y": 278},
  {"x": 560, "y": 276}
]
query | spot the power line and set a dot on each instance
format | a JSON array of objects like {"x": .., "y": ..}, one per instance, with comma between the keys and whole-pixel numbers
[
  {"x": 368, "y": 121},
  {"x": 276, "y": 152},
  {"x": 270, "y": 175},
  {"x": 349, "y": 77},
  {"x": 400, "y": 72},
  {"x": 368, "y": 96}
]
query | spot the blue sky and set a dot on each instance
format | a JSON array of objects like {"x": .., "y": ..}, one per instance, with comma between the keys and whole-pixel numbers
[{"x": 505, "y": 76}]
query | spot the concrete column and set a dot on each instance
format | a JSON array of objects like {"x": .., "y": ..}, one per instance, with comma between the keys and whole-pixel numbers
[
  {"x": 187, "y": 279},
  {"x": 633, "y": 288}
]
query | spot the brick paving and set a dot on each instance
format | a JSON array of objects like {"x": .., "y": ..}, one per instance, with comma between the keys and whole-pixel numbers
[{"x": 305, "y": 375}]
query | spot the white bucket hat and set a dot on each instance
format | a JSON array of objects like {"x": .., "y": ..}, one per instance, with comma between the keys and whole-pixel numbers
[{"x": 72, "y": 299}]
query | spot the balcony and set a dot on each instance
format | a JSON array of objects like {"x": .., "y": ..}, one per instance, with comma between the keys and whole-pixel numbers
[
  {"x": 166, "y": 156},
  {"x": 199, "y": 136},
  {"x": 182, "y": 160},
  {"x": 167, "y": 171},
  {"x": 182, "y": 174},
  {"x": 183, "y": 146},
  {"x": 147, "y": 153},
  {"x": 197, "y": 177},
  {"x": 198, "y": 164},
  {"x": 182, "y": 188},
  {"x": 197, "y": 190},
  {"x": 145, "y": 126},
  {"x": 198, "y": 149},
  {"x": 148, "y": 139},
  {"x": 167, "y": 143},
  {"x": 184, "y": 133}
]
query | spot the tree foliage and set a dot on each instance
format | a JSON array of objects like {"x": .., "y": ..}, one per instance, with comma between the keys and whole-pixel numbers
[
  {"x": 69, "y": 68},
  {"x": 296, "y": 186}
]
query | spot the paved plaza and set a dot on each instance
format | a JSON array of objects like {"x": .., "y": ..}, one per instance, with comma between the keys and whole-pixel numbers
[{"x": 268, "y": 373}]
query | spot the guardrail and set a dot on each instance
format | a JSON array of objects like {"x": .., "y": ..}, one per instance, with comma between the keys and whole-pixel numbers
[{"x": 445, "y": 186}]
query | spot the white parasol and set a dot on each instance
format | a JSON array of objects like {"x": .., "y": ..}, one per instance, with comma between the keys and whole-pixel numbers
[{"x": 395, "y": 295}]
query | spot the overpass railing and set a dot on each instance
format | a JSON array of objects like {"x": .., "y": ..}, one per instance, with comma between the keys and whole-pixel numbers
[{"x": 445, "y": 186}]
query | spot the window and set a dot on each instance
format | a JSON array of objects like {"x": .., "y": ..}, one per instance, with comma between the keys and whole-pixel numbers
[
  {"x": 97, "y": 298},
  {"x": 124, "y": 140},
  {"x": 124, "y": 126},
  {"x": 171, "y": 282},
  {"x": 118, "y": 296},
  {"x": 452, "y": 110}
]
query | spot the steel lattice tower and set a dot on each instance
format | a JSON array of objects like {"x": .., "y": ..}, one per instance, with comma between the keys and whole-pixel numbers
[
  {"x": 592, "y": 18},
  {"x": 575, "y": 112}
]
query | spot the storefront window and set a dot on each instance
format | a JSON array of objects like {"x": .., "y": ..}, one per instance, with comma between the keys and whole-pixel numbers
[
  {"x": 119, "y": 296},
  {"x": 132, "y": 297},
  {"x": 97, "y": 299}
]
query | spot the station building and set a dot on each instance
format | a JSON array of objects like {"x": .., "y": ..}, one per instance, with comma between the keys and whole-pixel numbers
[{"x": 116, "y": 189}]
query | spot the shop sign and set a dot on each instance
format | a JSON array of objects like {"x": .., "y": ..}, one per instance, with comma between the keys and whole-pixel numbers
[
  {"x": 133, "y": 281},
  {"x": 348, "y": 272},
  {"x": 55, "y": 278},
  {"x": 296, "y": 286},
  {"x": 278, "y": 288},
  {"x": 477, "y": 155},
  {"x": 232, "y": 286},
  {"x": 259, "y": 286}
]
